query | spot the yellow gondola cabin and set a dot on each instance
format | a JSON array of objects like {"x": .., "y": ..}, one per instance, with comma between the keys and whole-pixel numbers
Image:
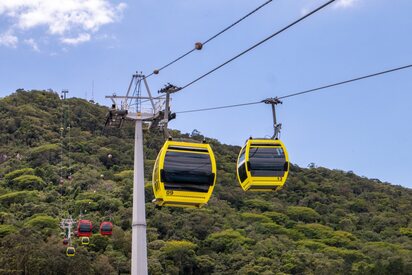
[
  {"x": 70, "y": 251},
  {"x": 85, "y": 240},
  {"x": 184, "y": 174},
  {"x": 262, "y": 165}
]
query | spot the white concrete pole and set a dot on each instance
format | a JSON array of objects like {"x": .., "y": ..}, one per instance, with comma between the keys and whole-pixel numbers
[{"x": 139, "y": 244}]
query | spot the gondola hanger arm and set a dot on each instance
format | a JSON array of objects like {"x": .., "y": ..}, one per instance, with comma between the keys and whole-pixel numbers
[{"x": 276, "y": 126}]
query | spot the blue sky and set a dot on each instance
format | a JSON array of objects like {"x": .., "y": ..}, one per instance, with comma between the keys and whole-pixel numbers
[{"x": 364, "y": 126}]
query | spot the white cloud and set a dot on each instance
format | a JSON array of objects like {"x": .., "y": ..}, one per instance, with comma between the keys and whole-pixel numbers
[
  {"x": 81, "y": 38},
  {"x": 33, "y": 44},
  {"x": 8, "y": 39},
  {"x": 61, "y": 18},
  {"x": 345, "y": 3}
]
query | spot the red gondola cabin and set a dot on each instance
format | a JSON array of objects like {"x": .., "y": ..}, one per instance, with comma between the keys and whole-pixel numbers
[
  {"x": 84, "y": 228},
  {"x": 106, "y": 228},
  {"x": 65, "y": 241}
]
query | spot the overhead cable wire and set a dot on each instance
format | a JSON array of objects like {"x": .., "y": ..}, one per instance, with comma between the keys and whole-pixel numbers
[
  {"x": 303, "y": 92},
  {"x": 220, "y": 107},
  {"x": 209, "y": 39},
  {"x": 347, "y": 81},
  {"x": 259, "y": 43},
  {"x": 238, "y": 21}
]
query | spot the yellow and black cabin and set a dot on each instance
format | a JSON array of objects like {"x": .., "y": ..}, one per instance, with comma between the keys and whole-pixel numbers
[
  {"x": 184, "y": 174},
  {"x": 85, "y": 240},
  {"x": 263, "y": 165},
  {"x": 70, "y": 251}
]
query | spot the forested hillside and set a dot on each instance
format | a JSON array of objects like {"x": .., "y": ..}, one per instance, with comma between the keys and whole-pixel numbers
[{"x": 323, "y": 222}]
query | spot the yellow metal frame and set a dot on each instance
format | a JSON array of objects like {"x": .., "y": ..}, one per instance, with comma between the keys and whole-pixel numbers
[
  {"x": 175, "y": 198},
  {"x": 67, "y": 251},
  {"x": 85, "y": 240},
  {"x": 272, "y": 183}
]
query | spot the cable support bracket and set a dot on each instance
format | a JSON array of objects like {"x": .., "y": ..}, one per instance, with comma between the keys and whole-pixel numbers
[
  {"x": 169, "y": 89},
  {"x": 276, "y": 126},
  {"x": 168, "y": 115},
  {"x": 272, "y": 100}
]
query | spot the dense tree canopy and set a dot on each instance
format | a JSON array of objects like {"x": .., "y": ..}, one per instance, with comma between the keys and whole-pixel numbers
[{"x": 323, "y": 222}]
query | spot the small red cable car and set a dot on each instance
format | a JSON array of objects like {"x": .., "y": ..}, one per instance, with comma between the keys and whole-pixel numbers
[
  {"x": 106, "y": 228},
  {"x": 84, "y": 228},
  {"x": 65, "y": 241}
]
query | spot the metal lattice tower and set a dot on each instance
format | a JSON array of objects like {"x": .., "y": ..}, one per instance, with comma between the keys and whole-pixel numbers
[{"x": 66, "y": 225}]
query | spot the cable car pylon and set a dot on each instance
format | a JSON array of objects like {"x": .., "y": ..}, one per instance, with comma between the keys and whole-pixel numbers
[
  {"x": 143, "y": 110},
  {"x": 167, "y": 116},
  {"x": 66, "y": 225}
]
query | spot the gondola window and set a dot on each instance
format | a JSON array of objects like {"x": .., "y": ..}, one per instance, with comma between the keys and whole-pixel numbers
[
  {"x": 267, "y": 162},
  {"x": 187, "y": 171}
]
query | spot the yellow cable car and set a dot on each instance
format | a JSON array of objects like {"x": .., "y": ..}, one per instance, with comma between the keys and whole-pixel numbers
[
  {"x": 70, "y": 251},
  {"x": 85, "y": 240},
  {"x": 184, "y": 174},
  {"x": 262, "y": 165}
]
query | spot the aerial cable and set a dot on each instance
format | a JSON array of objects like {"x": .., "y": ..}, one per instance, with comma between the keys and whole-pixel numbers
[
  {"x": 347, "y": 81},
  {"x": 199, "y": 45},
  {"x": 64, "y": 154},
  {"x": 61, "y": 141},
  {"x": 220, "y": 107},
  {"x": 235, "y": 23},
  {"x": 61, "y": 181},
  {"x": 302, "y": 92},
  {"x": 258, "y": 44},
  {"x": 69, "y": 177}
]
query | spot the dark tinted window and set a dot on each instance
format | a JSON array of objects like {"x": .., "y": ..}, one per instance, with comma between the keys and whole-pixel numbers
[
  {"x": 267, "y": 161},
  {"x": 187, "y": 171},
  {"x": 106, "y": 228},
  {"x": 84, "y": 227},
  {"x": 242, "y": 172}
]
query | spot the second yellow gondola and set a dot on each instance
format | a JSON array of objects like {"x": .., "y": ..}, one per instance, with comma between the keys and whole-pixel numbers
[
  {"x": 70, "y": 251},
  {"x": 184, "y": 174},
  {"x": 85, "y": 240},
  {"x": 262, "y": 165}
]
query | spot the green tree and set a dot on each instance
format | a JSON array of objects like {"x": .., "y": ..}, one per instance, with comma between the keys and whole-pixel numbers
[
  {"x": 300, "y": 213},
  {"x": 181, "y": 253}
]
